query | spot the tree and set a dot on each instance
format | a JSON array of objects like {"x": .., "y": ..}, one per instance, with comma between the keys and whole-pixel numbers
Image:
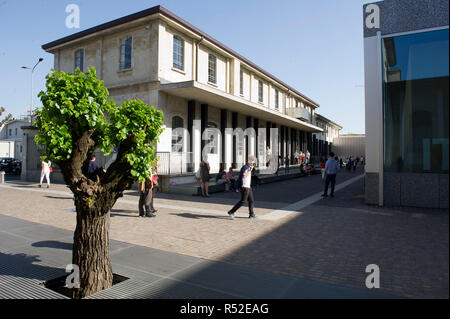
[
  {"x": 7, "y": 118},
  {"x": 76, "y": 119}
]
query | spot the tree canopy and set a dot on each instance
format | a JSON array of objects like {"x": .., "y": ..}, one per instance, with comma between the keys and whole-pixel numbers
[{"x": 76, "y": 104}]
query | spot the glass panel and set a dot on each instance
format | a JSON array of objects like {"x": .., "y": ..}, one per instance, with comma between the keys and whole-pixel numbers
[
  {"x": 212, "y": 68},
  {"x": 125, "y": 54},
  {"x": 79, "y": 59},
  {"x": 416, "y": 74},
  {"x": 178, "y": 53}
]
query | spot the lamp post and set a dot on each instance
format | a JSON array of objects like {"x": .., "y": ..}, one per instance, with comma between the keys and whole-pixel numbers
[{"x": 31, "y": 95}]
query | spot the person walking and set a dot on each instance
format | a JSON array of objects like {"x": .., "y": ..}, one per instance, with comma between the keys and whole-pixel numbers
[
  {"x": 204, "y": 175},
  {"x": 331, "y": 168},
  {"x": 308, "y": 157},
  {"x": 146, "y": 188},
  {"x": 244, "y": 181},
  {"x": 46, "y": 168},
  {"x": 286, "y": 165},
  {"x": 322, "y": 168},
  {"x": 268, "y": 156},
  {"x": 341, "y": 163}
]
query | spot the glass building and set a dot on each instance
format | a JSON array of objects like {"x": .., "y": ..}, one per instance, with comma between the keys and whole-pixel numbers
[{"x": 406, "y": 46}]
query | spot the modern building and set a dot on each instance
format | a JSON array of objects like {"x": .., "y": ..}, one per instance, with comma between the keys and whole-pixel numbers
[
  {"x": 200, "y": 84},
  {"x": 11, "y": 135},
  {"x": 406, "y": 53}
]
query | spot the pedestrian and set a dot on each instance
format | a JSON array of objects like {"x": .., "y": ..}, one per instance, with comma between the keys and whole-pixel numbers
[
  {"x": 349, "y": 164},
  {"x": 146, "y": 198},
  {"x": 268, "y": 155},
  {"x": 302, "y": 157},
  {"x": 204, "y": 175},
  {"x": 286, "y": 163},
  {"x": 322, "y": 168},
  {"x": 341, "y": 163},
  {"x": 92, "y": 170},
  {"x": 331, "y": 167},
  {"x": 244, "y": 182},
  {"x": 46, "y": 169},
  {"x": 230, "y": 177},
  {"x": 308, "y": 157},
  {"x": 297, "y": 157}
]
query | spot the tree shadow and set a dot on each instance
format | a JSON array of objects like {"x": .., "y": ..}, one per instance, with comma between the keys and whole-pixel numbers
[
  {"x": 57, "y": 197},
  {"x": 53, "y": 244},
  {"x": 15, "y": 266}
]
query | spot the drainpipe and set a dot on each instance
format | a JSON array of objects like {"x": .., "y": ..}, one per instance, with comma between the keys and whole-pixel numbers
[{"x": 196, "y": 58}]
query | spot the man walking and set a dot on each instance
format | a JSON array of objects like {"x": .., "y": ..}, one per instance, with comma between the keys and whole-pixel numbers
[
  {"x": 244, "y": 182},
  {"x": 330, "y": 169}
]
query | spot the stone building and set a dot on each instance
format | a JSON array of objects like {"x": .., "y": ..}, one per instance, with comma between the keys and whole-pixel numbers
[{"x": 201, "y": 85}]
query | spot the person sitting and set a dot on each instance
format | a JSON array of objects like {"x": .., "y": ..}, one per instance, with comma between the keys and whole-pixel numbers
[
  {"x": 221, "y": 177},
  {"x": 230, "y": 177}
]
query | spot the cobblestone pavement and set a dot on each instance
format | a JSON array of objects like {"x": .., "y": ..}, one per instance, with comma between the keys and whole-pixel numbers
[{"x": 331, "y": 241}]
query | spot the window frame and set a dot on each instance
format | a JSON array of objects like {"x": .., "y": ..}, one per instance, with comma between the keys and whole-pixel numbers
[
  {"x": 260, "y": 91},
  {"x": 212, "y": 72},
  {"x": 277, "y": 99},
  {"x": 177, "y": 144},
  {"x": 175, "y": 65},
  {"x": 76, "y": 60},
  {"x": 123, "y": 65}
]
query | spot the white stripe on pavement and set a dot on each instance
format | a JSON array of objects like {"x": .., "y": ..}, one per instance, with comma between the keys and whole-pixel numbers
[{"x": 295, "y": 207}]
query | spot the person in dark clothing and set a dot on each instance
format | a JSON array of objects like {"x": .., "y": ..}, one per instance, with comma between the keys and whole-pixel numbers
[
  {"x": 146, "y": 199},
  {"x": 244, "y": 182},
  {"x": 93, "y": 168}
]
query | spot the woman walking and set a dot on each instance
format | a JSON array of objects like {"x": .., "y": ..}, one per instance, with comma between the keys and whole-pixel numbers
[
  {"x": 45, "y": 171},
  {"x": 204, "y": 175}
]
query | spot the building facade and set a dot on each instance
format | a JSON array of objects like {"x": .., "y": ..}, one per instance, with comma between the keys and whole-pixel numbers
[
  {"x": 206, "y": 90},
  {"x": 11, "y": 136},
  {"x": 406, "y": 51},
  {"x": 323, "y": 141}
]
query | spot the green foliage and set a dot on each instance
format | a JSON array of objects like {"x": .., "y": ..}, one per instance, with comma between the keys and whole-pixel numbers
[{"x": 76, "y": 103}]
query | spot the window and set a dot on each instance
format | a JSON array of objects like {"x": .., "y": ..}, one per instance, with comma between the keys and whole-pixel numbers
[
  {"x": 10, "y": 132},
  {"x": 296, "y": 103},
  {"x": 241, "y": 84},
  {"x": 277, "y": 99},
  {"x": 212, "y": 144},
  {"x": 16, "y": 131},
  {"x": 125, "y": 54},
  {"x": 212, "y": 69},
  {"x": 177, "y": 134},
  {"x": 415, "y": 94},
  {"x": 260, "y": 91},
  {"x": 79, "y": 60},
  {"x": 178, "y": 53}
]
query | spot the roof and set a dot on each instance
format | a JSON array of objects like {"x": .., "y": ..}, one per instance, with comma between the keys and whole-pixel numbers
[
  {"x": 323, "y": 118},
  {"x": 161, "y": 10}
]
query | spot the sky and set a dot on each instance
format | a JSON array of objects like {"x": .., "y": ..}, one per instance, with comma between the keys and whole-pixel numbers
[{"x": 315, "y": 47}]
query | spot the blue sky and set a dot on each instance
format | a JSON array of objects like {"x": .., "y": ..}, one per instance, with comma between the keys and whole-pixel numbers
[{"x": 314, "y": 46}]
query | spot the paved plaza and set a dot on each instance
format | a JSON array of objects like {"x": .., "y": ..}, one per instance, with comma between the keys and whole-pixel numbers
[{"x": 300, "y": 246}]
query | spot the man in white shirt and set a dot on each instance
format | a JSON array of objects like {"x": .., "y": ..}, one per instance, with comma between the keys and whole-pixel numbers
[{"x": 244, "y": 181}]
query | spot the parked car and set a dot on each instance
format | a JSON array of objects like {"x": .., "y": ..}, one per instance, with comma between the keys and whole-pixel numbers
[{"x": 11, "y": 165}]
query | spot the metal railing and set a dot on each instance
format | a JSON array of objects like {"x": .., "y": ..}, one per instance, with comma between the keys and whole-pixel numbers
[{"x": 171, "y": 163}]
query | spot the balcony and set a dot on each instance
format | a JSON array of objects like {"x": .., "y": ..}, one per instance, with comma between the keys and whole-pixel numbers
[{"x": 299, "y": 113}]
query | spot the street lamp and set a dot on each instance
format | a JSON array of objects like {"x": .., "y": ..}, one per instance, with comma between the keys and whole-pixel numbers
[{"x": 31, "y": 98}]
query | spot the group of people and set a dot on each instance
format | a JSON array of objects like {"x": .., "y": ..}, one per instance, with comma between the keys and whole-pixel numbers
[{"x": 352, "y": 162}]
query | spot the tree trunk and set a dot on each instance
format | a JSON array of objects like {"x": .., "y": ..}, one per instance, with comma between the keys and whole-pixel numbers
[{"x": 91, "y": 249}]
